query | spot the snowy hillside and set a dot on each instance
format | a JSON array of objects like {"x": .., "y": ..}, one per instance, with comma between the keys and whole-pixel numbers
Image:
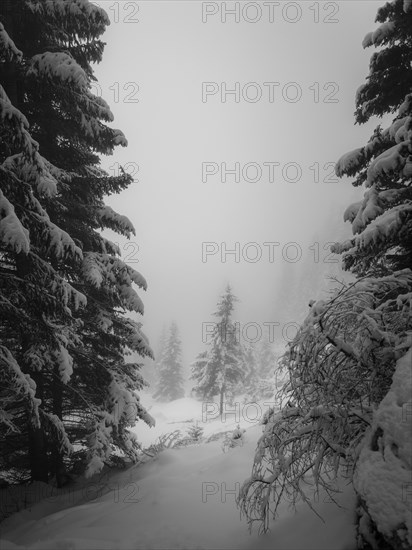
[{"x": 183, "y": 499}]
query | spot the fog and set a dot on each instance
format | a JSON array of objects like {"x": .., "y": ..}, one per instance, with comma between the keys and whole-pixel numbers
[{"x": 169, "y": 74}]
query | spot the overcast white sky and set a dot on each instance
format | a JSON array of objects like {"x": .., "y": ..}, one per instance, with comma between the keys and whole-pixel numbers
[{"x": 160, "y": 53}]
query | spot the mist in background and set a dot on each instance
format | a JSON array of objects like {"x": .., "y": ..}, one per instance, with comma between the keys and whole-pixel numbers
[{"x": 158, "y": 58}]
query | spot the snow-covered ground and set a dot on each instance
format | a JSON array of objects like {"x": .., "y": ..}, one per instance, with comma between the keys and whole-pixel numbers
[
  {"x": 182, "y": 413},
  {"x": 183, "y": 499}
]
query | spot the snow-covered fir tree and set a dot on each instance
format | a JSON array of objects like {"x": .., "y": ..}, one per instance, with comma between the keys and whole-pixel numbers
[
  {"x": 381, "y": 251},
  {"x": 159, "y": 353},
  {"x": 249, "y": 381},
  {"x": 350, "y": 365},
  {"x": 65, "y": 288},
  {"x": 170, "y": 385},
  {"x": 264, "y": 378},
  {"x": 219, "y": 369},
  {"x": 195, "y": 432},
  {"x": 266, "y": 359}
]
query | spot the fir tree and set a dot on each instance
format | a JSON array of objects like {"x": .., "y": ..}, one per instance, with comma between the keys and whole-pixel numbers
[
  {"x": 170, "y": 384},
  {"x": 381, "y": 222},
  {"x": 219, "y": 370},
  {"x": 159, "y": 354},
  {"x": 266, "y": 359},
  {"x": 250, "y": 378},
  {"x": 38, "y": 299},
  {"x": 263, "y": 377},
  {"x": 195, "y": 432},
  {"x": 79, "y": 369},
  {"x": 381, "y": 250}
]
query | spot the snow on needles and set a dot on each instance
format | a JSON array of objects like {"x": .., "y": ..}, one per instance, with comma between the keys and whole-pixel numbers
[
  {"x": 23, "y": 382},
  {"x": 102, "y": 267},
  {"x": 65, "y": 362},
  {"x": 349, "y": 162},
  {"x": 37, "y": 172},
  {"x": 119, "y": 138},
  {"x": 12, "y": 232},
  {"x": 58, "y": 65},
  {"x": 8, "y": 111},
  {"x": 385, "y": 461},
  {"x": 407, "y": 5},
  {"x": 369, "y": 209},
  {"x": 8, "y": 49},
  {"x": 380, "y": 229},
  {"x": 391, "y": 160},
  {"x": 112, "y": 218},
  {"x": 58, "y": 425},
  {"x": 381, "y": 34},
  {"x": 70, "y": 8},
  {"x": 29, "y": 165},
  {"x": 60, "y": 243}
]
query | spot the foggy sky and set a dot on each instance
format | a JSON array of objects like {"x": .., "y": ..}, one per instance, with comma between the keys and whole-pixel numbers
[{"x": 160, "y": 53}]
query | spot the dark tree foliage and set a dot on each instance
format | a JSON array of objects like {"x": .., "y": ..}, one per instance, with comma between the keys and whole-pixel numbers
[{"x": 64, "y": 289}]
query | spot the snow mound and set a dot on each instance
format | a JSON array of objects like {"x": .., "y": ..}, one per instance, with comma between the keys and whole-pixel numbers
[
  {"x": 385, "y": 461},
  {"x": 183, "y": 500}
]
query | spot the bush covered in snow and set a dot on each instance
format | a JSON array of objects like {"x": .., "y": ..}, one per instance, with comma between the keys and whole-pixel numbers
[{"x": 340, "y": 365}]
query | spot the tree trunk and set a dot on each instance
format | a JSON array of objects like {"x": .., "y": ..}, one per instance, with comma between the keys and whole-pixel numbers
[
  {"x": 39, "y": 468},
  {"x": 38, "y": 454},
  {"x": 58, "y": 467},
  {"x": 37, "y": 442}
]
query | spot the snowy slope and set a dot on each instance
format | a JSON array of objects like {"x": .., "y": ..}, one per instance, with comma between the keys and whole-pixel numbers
[{"x": 183, "y": 499}]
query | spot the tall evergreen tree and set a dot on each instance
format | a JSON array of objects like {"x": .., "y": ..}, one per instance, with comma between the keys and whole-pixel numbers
[
  {"x": 381, "y": 222},
  {"x": 38, "y": 299},
  {"x": 250, "y": 375},
  {"x": 218, "y": 370},
  {"x": 266, "y": 359},
  {"x": 382, "y": 250},
  {"x": 161, "y": 344},
  {"x": 76, "y": 357},
  {"x": 261, "y": 380},
  {"x": 350, "y": 364},
  {"x": 170, "y": 384}
]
